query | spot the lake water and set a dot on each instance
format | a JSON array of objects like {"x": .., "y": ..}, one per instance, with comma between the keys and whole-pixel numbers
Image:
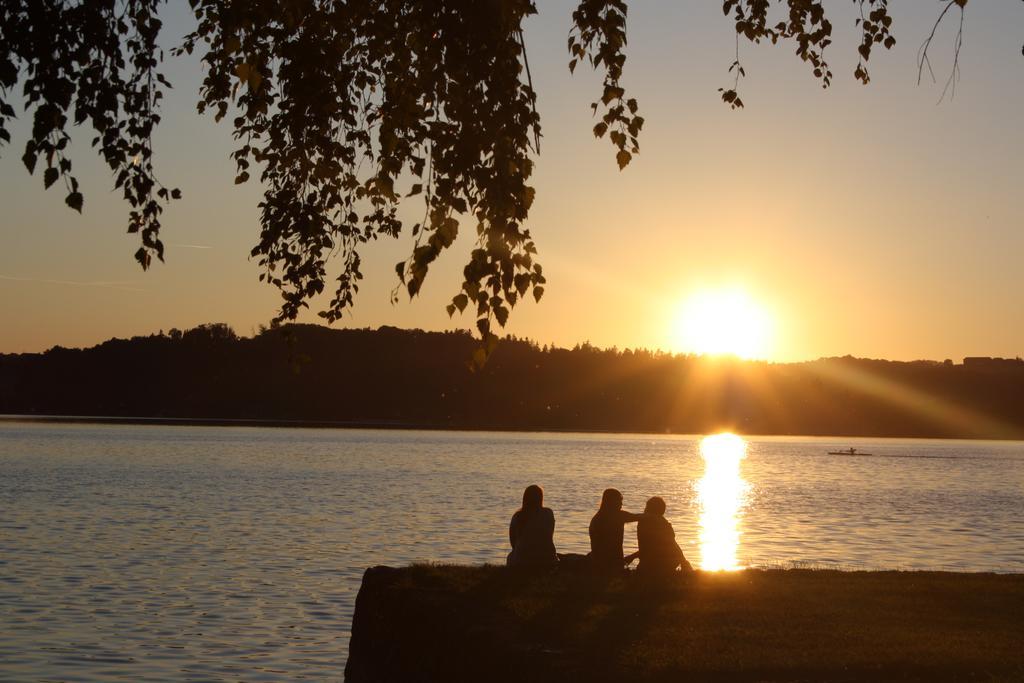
[{"x": 223, "y": 553}]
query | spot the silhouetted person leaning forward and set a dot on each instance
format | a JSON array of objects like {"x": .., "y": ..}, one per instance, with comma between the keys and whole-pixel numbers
[
  {"x": 606, "y": 531},
  {"x": 658, "y": 551},
  {"x": 532, "y": 532}
]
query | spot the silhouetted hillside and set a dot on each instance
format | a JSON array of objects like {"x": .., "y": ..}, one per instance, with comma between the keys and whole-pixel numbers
[{"x": 415, "y": 378}]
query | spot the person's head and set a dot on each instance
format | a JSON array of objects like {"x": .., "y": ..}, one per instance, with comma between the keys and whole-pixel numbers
[
  {"x": 611, "y": 500},
  {"x": 533, "y": 498},
  {"x": 655, "y": 506}
]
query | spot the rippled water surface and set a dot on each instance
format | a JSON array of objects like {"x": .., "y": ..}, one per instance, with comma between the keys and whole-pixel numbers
[{"x": 222, "y": 553}]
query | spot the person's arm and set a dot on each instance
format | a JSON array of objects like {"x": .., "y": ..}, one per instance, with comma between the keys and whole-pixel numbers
[
  {"x": 643, "y": 539},
  {"x": 680, "y": 559},
  {"x": 629, "y": 558},
  {"x": 630, "y": 517},
  {"x": 513, "y": 530}
]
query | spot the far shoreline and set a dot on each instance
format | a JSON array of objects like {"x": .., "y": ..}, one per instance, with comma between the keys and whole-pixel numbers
[{"x": 396, "y": 425}]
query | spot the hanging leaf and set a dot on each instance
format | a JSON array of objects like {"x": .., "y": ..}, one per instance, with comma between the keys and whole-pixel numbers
[{"x": 75, "y": 200}]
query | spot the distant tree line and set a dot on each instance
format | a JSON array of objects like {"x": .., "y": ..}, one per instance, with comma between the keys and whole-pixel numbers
[{"x": 412, "y": 378}]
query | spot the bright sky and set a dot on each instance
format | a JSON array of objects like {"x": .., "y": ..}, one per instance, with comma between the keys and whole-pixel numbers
[{"x": 869, "y": 221}]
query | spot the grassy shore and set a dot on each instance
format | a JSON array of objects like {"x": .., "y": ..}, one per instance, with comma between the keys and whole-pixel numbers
[{"x": 458, "y": 623}]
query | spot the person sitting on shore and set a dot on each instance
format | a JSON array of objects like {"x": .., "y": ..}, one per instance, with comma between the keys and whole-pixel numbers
[
  {"x": 658, "y": 551},
  {"x": 606, "y": 531},
  {"x": 532, "y": 532}
]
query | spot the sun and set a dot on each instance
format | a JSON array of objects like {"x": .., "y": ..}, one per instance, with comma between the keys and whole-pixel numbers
[{"x": 724, "y": 322}]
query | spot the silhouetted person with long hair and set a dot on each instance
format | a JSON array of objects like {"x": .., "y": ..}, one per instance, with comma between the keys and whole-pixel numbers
[
  {"x": 658, "y": 551},
  {"x": 532, "y": 532},
  {"x": 606, "y": 531}
]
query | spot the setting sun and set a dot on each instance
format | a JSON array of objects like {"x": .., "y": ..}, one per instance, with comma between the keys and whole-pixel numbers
[{"x": 724, "y": 321}]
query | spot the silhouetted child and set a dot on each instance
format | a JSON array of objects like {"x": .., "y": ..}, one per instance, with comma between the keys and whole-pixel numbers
[
  {"x": 532, "y": 532},
  {"x": 606, "y": 531},
  {"x": 658, "y": 551}
]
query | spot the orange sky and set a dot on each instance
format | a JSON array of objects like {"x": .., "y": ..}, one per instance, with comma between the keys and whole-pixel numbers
[{"x": 869, "y": 220}]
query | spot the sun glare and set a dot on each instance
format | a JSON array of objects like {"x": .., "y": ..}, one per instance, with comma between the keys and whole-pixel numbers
[
  {"x": 721, "y": 492},
  {"x": 724, "y": 322}
]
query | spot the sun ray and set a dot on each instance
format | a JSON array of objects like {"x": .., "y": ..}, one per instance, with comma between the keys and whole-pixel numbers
[{"x": 929, "y": 406}]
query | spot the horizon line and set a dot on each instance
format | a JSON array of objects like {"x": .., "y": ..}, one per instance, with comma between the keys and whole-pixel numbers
[{"x": 721, "y": 357}]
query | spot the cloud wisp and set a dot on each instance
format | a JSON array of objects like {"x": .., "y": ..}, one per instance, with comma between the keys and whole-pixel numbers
[
  {"x": 191, "y": 246},
  {"x": 113, "y": 284}
]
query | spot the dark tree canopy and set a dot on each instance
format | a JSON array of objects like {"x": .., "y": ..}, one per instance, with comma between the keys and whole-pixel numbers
[{"x": 346, "y": 108}]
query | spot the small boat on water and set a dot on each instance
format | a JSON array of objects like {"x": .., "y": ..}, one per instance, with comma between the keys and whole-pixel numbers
[{"x": 849, "y": 451}]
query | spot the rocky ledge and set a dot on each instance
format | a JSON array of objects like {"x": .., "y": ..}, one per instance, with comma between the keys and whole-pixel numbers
[{"x": 457, "y": 623}]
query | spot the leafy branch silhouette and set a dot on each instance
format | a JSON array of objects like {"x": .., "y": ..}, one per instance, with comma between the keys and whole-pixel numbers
[{"x": 345, "y": 110}]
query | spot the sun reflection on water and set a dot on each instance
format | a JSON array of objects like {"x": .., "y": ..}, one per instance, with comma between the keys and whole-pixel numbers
[{"x": 721, "y": 494}]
